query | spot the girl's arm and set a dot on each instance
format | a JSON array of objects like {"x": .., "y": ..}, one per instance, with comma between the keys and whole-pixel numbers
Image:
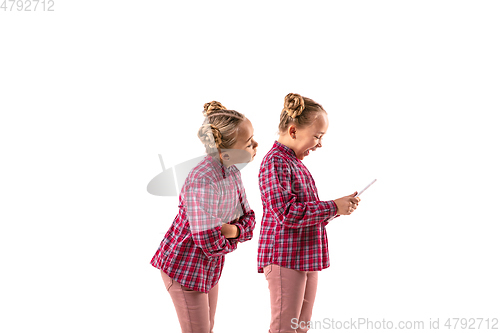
[
  {"x": 275, "y": 181},
  {"x": 201, "y": 200}
]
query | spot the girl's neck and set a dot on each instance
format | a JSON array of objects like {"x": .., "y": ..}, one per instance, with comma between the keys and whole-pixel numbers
[
  {"x": 286, "y": 140},
  {"x": 217, "y": 158}
]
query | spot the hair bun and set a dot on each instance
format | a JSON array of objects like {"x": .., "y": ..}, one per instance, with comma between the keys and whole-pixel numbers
[
  {"x": 212, "y": 107},
  {"x": 294, "y": 105},
  {"x": 210, "y": 136}
]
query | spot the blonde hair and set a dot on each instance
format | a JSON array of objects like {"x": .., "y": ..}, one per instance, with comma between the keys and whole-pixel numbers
[
  {"x": 220, "y": 127},
  {"x": 299, "y": 111}
]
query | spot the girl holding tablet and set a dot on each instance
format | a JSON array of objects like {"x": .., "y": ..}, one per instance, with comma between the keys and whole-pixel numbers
[{"x": 293, "y": 244}]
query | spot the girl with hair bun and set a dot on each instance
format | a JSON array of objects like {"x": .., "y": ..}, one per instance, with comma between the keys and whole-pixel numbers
[
  {"x": 293, "y": 244},
  {"x": 214, "y": 216}
]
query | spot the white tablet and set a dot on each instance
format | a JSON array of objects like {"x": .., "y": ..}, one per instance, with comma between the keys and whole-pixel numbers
[{"x": 357, "y": 195}]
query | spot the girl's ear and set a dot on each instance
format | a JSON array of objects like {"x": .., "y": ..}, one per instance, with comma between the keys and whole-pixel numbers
[
  {"x": 224, "y": 155},
  {"x": 292, "y": 131}
]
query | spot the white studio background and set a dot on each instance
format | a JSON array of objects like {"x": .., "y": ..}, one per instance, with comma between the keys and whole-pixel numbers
[{"x": 92, "y": 92}]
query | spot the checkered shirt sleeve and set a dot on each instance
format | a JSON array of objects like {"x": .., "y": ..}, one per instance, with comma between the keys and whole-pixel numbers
[{"x": 246, "y": 220}]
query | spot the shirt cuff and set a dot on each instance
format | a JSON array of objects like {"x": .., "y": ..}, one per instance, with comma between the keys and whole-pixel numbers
[
  {"x": 333, "y": 207},
  {"x": 333, "y": 211},
  {"x": 240, "y": 228}
]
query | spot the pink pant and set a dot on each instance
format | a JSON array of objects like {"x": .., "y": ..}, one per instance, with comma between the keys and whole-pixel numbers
[
  {"x": 292, "y": 298},
  {"x": 195, "y": 310}
]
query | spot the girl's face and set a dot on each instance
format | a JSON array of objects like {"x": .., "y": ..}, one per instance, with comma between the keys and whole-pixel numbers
[
  {"x": 244, "y": 149},
  {"x": 308, "y": 138}
]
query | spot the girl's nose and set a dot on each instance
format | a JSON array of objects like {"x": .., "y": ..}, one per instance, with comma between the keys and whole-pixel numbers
[{"x": 255, "y": 144}]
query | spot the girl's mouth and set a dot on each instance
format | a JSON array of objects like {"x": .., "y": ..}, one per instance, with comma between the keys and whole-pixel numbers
[{"x": 308, "y": 151}]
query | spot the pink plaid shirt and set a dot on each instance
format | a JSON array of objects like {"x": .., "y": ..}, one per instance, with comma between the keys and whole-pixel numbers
[
  {"x": 192, "y": 251},
  {"x": 293, "y": 232}
]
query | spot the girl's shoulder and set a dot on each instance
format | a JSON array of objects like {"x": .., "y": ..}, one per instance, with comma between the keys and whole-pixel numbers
[
  {"x": 278, "y": 155},
  {"x": 205, "y": 172},
  {"x": 277, "y": 161},
  {"x": 274, "y": 156}
]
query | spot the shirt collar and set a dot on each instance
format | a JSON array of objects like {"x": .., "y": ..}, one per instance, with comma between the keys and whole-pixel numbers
[
  {"x": 217, "y": 165},
  {"x": 285, "y": 149}
]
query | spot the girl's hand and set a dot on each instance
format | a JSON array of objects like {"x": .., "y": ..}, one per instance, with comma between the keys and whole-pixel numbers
[
  {"x": 229, "y": 230},
  {"x": 346, "y": 205}
]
